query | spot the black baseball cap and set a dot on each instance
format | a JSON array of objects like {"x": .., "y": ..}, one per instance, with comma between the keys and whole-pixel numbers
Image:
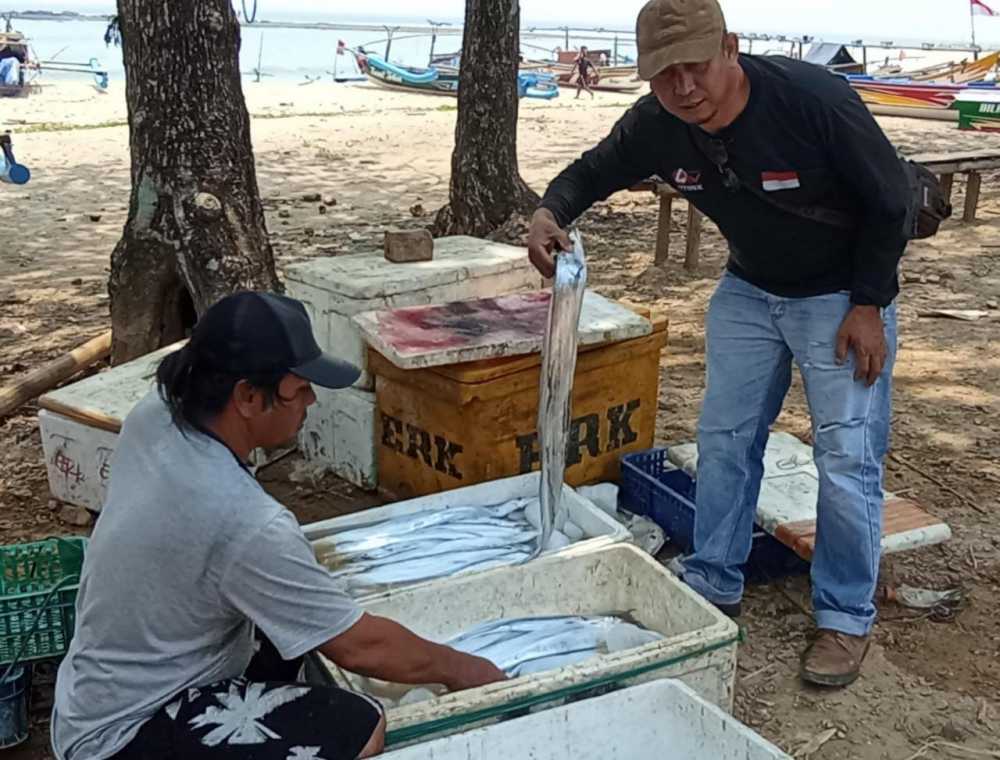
[{"x": 253, "y": 333}]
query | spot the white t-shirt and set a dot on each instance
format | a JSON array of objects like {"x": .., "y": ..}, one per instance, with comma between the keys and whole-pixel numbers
[{"x": 188, "y": 554}]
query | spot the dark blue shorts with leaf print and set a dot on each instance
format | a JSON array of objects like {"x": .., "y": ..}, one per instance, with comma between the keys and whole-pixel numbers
[{"x": 267, "y": 714}]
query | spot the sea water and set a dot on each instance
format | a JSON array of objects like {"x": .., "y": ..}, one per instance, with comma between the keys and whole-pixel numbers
[{"x": 288, "y": 53}]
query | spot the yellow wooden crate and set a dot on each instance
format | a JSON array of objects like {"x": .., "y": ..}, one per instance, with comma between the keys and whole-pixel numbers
[{"x": 456, "y": 425}]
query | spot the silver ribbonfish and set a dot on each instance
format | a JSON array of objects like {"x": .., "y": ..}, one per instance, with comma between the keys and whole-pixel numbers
[
  {"x": 556, "y": 386},
  {"x": 522, "y": 646},
  {"x": 431, "y": 544}
]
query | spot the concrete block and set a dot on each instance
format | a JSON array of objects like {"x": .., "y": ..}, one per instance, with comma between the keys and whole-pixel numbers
[{"x": 407, "y": 246}]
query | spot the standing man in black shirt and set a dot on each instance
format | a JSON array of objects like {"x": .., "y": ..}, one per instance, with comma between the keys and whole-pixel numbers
[{"x": 812, "y": 199}]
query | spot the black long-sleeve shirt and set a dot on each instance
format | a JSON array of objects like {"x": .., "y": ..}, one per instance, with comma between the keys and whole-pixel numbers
[{"x": 806, "y": 139}]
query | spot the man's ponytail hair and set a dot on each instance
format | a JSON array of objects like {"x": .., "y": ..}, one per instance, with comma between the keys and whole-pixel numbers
[{"x": 195, "y": 392}]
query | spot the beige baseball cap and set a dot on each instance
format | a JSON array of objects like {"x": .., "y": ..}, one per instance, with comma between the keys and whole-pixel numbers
[{"x": 677, "y": 31}]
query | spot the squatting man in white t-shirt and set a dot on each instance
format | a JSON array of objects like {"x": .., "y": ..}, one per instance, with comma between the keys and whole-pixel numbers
[{"x": 200, "y": 594}]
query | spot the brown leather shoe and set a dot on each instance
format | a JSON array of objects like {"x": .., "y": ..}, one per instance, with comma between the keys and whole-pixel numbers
[{"x": 834, "y": 658}]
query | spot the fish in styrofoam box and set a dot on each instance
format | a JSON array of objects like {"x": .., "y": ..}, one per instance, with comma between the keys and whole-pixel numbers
[
  {"x": 697, "y": 643},
  {"x": 473, "y": 528}
]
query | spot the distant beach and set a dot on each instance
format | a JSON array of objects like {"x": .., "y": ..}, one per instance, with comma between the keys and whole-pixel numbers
[{"x": 304, "y": 52}]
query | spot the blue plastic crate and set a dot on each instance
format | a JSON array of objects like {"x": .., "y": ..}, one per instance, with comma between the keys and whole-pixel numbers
[{"x": 652, "y": 487}]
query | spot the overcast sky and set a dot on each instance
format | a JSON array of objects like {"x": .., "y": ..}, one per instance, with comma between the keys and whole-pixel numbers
[{"x": 938, "y": 20}]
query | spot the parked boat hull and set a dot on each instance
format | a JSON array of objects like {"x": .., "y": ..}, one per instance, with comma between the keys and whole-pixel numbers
[
  {"x": 978, "y": 111},
  {"x": 445, "y": 84}
]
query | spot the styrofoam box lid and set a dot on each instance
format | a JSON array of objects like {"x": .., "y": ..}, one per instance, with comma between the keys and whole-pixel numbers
[
  {"x": 661, "y": 719},
  {"x": 112, "y": 393},
  {"x": 370, "y": 275},
  {"x": 601, "y": 321}
]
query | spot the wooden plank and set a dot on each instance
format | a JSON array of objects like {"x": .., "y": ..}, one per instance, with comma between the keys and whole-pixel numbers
[
  {"x": 898, "y": 516},
  {"x": 693, "y": 244},
  {"x": 663, "y": 229},
  {"x": 105, "y": 399},
  {"x": 960, "y": 155},
  {"x": 646, "y": 186},
  {"x": 944, "y": 163},
  {"x": 947, "y": 183},
  {"x": 88, "y": 417},
  {"x": 52, "y": 373},
  {"x": 972, "y": 196}
]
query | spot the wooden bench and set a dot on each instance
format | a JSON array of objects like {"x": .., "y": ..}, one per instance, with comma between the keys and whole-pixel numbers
[
  {"x": 945, "y": 165},
  {"x": 666, "y": 194},
  {"x": 972, "y": 163}
]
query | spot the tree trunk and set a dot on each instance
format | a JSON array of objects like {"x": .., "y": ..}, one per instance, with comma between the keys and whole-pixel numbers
[
  {"x": 195, "y": 229},
  {"x": 486, "y": 187}
]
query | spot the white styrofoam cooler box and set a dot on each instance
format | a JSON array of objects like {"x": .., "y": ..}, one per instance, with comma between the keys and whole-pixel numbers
[
  {"x": 335, "y": 289},
  {"x": 77, "y": 450},
  {"x": 789, "y": 491},
  {"x": 597, "y": 526},
  {"x": 339, "y": 434},
  {"x": 652, "y": 721},
  {"x": 699, "y": 644},
  {"x": 80, "y": 423},
  {"x": 77, "y": 459}
]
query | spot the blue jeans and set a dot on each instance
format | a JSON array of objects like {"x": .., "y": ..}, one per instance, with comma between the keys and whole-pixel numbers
[{"x": 752, "y": 339}]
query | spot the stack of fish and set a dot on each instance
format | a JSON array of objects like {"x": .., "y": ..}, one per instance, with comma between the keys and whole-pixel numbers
[
  {"x": 522, "y": 646},
  {"x": 437, "y": 543}
]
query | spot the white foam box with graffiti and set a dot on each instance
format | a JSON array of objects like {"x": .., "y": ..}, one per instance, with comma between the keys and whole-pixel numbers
[
  {"x": 339, "y": 432},
  {"x": 80, "y": 423},
  {"x": 698, "y": 646}
]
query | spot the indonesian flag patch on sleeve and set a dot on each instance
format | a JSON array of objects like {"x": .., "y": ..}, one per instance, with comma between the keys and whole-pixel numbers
[{"x": 772, "y": 181}]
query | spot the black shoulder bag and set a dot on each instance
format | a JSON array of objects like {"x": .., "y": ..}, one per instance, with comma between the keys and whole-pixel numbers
[{"x": 927, "y": 206}]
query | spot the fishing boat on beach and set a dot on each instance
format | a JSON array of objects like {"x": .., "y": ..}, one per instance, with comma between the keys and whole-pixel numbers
[
  {"x": 443, "y": 80},
  {"x": 20, "y": 67},
  {"x": 434, "y": 80},
  {"x": 18, "y": 64},
  {"x": 904, "y": 97},
  {"x": 978, "y": 109},
  {"x": 961, "y": 72}
]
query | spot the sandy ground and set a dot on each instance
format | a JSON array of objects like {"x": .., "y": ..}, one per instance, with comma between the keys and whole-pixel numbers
[{"x": 929, "y": 688}]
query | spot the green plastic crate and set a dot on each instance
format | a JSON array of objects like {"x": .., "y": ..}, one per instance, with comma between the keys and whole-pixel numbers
[{"x": 38, "y": 586}]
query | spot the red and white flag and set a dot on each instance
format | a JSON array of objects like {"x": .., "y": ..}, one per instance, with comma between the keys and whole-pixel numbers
[
  {"x": 341, "y": 47},
  {"x": 772, "y": 181},
  {"x": 979, "y": 8}
]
